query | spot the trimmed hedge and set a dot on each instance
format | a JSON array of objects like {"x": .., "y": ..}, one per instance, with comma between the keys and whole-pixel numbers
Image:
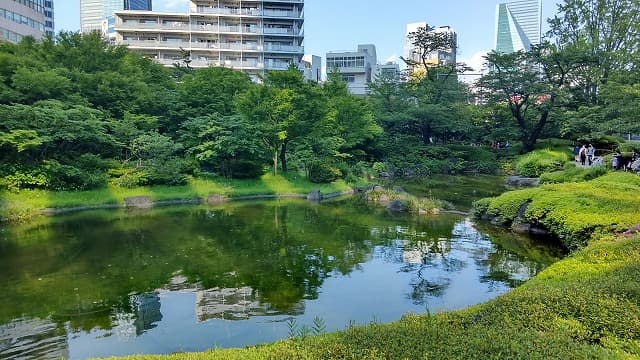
[
  {"x": 538, "y": 162},
  {"x": 573, "y": 211}
]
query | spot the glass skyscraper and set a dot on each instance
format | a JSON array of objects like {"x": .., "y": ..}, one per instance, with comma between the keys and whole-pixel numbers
[
  {"x": 518, "y": 25},
  {"x": 94, "y": 12}
]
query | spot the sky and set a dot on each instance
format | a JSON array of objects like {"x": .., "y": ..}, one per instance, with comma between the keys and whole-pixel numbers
[{"x": 335, "y": 25}]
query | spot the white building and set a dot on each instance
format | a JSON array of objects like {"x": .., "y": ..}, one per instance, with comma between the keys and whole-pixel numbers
[
  {"x": 388, "y": 70},
  {"x": 312, "y": 67},
  {"x": 357, "y": 68},
  {"x": 249, "y": 35},
  {"x": 435, "y": 58}
]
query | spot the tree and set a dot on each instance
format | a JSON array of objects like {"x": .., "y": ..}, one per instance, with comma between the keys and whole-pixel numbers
[
  {"x": 230, "y": 145},
  {"x": 530, "y": 83},
  {"x": 606, "y": 33},
  {"x": 287, "y": 106}
]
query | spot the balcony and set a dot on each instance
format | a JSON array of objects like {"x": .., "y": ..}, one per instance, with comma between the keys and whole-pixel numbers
[
  {"x": 227, "y": 11},
  {"x": 154, "y": 44},
  {"x": 283, "y": 48},
  {"x": 271, "y": 64},
  {"x": 280, "y": 31}
]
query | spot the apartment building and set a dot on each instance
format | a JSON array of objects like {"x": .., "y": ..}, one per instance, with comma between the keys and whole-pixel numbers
[
  {"x": 357, "y": 68},
  {"x": 19, "y": 18},
  {"x": 518, "y": 25},
  {"x": 249, "y": 35}
]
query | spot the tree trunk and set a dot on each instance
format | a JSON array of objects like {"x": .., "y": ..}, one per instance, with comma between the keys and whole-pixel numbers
[
  {"x": 275, "y": 162},
  {"x": 283, "y": 156}
]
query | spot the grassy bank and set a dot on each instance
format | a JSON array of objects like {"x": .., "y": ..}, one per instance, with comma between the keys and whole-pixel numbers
[
  {"x": 586, "y": 306},
  {"x": 573, "y": 211},
  {"x": 26, "y": 203}
]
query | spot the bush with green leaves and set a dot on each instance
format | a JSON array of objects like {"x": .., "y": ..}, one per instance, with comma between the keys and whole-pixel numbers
[
  {"x": 538, "y": 162},
  {"x": 572, "y": 173},
  {"x": 574, "y": 212},
  {"x": 323, "y": 172}
]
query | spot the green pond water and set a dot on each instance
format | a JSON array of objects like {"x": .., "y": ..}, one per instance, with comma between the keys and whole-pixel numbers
[{"x": 190, "y": 278}]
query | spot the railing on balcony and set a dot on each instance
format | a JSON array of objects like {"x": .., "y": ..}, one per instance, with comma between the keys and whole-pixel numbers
[
  {"x": 156, "y": 43},
  {"x": 248, "y": 12},
  {"x": 276, "y": 64},
  {"x": 283, "y": 48},
  {"x": 281, "y": 30}
]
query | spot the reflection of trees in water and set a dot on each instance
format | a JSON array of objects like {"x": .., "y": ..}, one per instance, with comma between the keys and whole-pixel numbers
[{"x": 283, "y": 251}]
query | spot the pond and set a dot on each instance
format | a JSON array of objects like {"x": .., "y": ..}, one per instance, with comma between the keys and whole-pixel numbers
[{"x": 171, "y": 279}]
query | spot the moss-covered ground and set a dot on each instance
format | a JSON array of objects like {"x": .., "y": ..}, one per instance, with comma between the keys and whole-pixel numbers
[{"x": 586, "y": 306}]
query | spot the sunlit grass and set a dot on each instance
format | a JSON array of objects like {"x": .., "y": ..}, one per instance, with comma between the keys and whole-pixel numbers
[{"x": 25, "y": 203}]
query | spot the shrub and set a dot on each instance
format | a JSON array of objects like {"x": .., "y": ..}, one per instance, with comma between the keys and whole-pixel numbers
[
  {"x": 321, "y": 172},
  {"x": 573, "y": 211},
  {"x": 537, "y": 162},
  {"x": 128, "y": 177},
  {"x": 244, "y": 169},
  {"x": 572, "y": 173}
]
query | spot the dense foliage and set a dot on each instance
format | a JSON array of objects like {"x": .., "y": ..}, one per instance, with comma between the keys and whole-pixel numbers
[{"x": 77, "y": 113}]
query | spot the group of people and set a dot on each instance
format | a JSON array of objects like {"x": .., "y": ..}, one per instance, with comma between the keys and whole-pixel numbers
[
  {"x": 584, "y": 154},
  {"x": 620, "y": 162}
]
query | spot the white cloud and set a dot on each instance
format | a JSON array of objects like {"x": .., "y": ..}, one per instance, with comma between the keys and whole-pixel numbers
[
  {"x": 392, "y": 59},
  {"x": 476, "y": 62}
]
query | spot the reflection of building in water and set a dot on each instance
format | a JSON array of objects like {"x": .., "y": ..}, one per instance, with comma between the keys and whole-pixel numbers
[
  {"x": 144, "y": 313},
  {"x": 33, "y": 339},
  {"x": 415, "y": 252},
  {"x": 235, "y": 304},
  {"x": 146, "y": 307}
]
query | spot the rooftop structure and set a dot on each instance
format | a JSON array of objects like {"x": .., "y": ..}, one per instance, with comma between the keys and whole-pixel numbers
[
  {"x": 357, "y": 68},
  {"x": 518, "y": 25},
  {"x": 249, "y": 35}
]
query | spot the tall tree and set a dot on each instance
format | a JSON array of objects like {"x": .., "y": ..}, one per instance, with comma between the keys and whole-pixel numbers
[
  {"x": 530, "y": 83},
  {"x": 606, "y": 33}
]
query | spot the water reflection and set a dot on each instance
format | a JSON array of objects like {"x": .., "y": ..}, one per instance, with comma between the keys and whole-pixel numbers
[{"x": 186, "y": 279}]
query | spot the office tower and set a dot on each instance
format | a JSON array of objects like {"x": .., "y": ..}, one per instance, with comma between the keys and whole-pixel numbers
[
  {"x": 249, "y": 35},
  {"x": 22, "y": 18},
  {"x": 357, "y": 68},
  {"x": 49, "y": 24},
  {"x": 518, "y": 25},
  {"x": 93, "y": 13},
  {"x": 435, "y": 58}
]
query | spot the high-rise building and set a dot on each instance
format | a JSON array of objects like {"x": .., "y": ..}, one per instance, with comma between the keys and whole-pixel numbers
[
  {"x": 357, "y": 68},
  {"x": 19, "y": 18},
  {"x": 249, "y": 35},
  {"x": 93, "y": 13},
  {"x": 518, "y": 25},
  {"x": 434, "y": 58},
  {"x": 49, "y": 24}
]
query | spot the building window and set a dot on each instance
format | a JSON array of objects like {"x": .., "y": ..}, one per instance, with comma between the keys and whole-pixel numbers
[{"x": 349, "y": 78}]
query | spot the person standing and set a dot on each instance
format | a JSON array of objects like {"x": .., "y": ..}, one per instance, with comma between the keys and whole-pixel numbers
[
  {"x": 576, "y": 151},
  {"x": 582, "y": 154},
  {"x": 591, "y": 153}
]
